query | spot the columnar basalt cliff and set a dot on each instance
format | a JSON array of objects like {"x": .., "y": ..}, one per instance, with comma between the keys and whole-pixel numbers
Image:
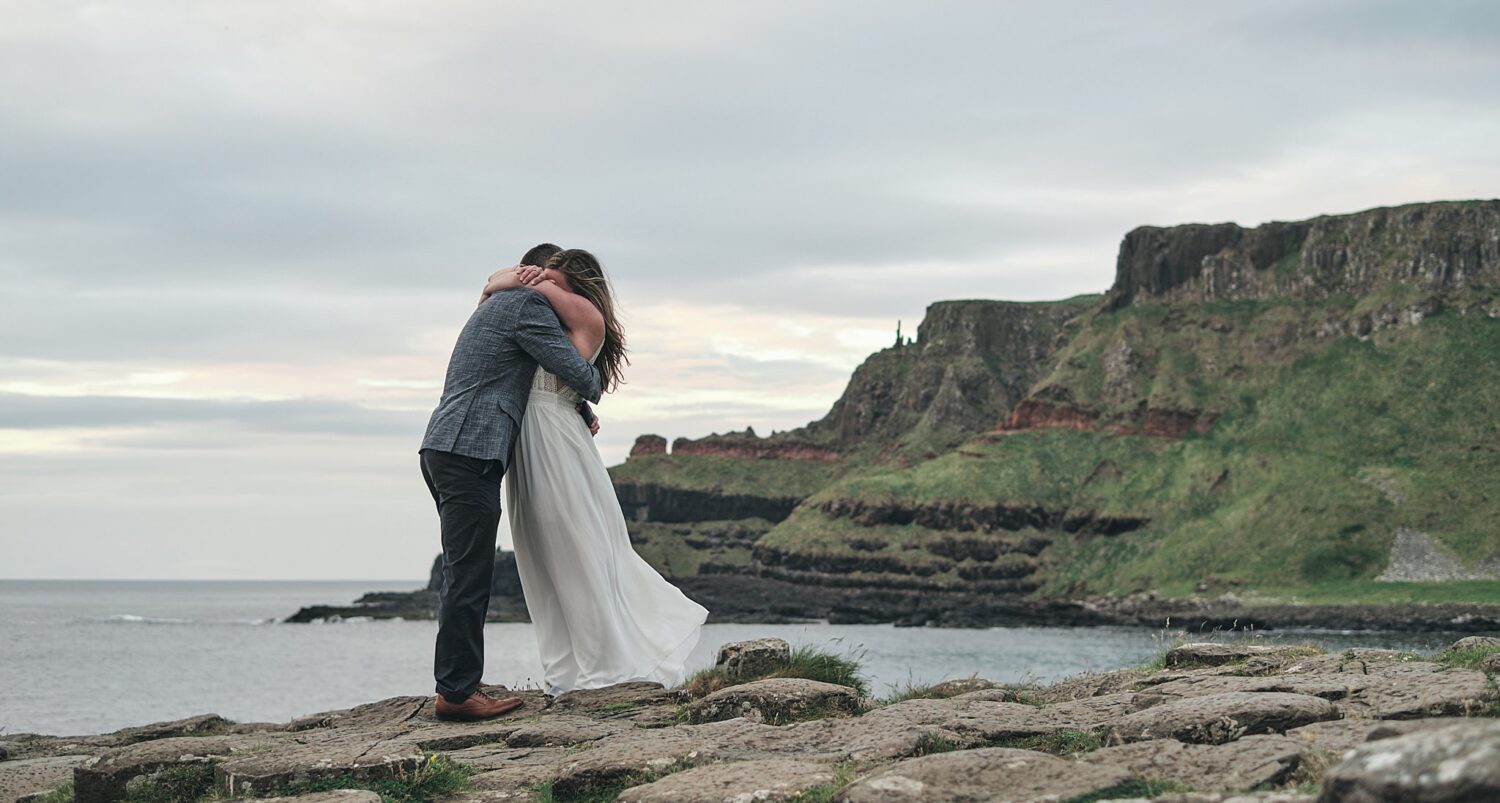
[
  {"x": 1249, "y": 420},
  {"x": 1430, "y": 248}
]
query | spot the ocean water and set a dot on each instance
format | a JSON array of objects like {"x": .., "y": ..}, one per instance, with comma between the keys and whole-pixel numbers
[{"x": 80, "y": 657}]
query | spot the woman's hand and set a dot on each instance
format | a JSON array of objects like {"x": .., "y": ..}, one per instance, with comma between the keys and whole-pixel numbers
[
  {"x": 530, "y": 275},
  {"x": 503, "y": 279}
]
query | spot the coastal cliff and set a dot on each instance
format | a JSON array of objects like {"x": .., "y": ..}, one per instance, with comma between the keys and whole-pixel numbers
[
  {"x": 1296, "y": 423},
  {"x": 1249, "y": 420}
]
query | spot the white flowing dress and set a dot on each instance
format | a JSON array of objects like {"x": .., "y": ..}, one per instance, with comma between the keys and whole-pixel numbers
[{"x": 602, "y": 615}]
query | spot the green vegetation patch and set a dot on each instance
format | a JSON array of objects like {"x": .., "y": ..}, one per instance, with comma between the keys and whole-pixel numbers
[
  {"x": 61, "y": 793},
  {"x": 806, "y": 661},
  {"x": 1466, "y": 659},
  {"x": 730, "y": 475},
  {"x": 1061, "y": 743},
  {"x": 679, "y": 549},
  {"x": 1323, "y": 448},
  {"x": 844, "y": 774},
  {"x": 1136, "y": 787},
  {"x": 178, "y": 784},
  {"x": 437, "y": 776}
]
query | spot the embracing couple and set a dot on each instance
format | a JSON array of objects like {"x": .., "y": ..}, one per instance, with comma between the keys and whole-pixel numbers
[{"x": 543, "y": 343}]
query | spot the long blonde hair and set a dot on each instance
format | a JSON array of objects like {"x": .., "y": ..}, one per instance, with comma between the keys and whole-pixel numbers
[{"x": 586, "y": 278}]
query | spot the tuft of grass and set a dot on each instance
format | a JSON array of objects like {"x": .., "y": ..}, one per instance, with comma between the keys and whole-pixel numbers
[
  {"x": 816, "y": 664},
  {"x": 436, "y": 777},
  {"x": 929, "y": 743},
  {"x": 805, "y": 661},
  {"x": 1465, "y": 659},
  {"x": 844, "y": 774},
  {"x": 705, "y": 682},
  {"x": 61, "y": 793},
  {"x": 624, "y": 706},
  {"x": 1134, "y": 788},
  {"x": 1307, "y": 778},
  {"x": 189, "y": 782},
  {"x": 912, "y": 690},
  {"x": 923, "y": 691},
  {"x": 1029, "y": 697},
  {"x": 1061, "y": 743}
]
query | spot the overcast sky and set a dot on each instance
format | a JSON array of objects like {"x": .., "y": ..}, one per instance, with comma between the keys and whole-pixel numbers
[{"x": 237, "y": 239}]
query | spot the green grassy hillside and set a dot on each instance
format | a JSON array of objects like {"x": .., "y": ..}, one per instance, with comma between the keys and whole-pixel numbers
[{"x": 1324, "y": 445}]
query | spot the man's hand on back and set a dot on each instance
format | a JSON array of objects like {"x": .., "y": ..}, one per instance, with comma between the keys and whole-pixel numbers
[{"x": 588, "y": 416}]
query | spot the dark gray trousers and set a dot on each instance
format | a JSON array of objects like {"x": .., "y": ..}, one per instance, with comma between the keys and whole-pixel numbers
[{"x": 467, "y": 493}]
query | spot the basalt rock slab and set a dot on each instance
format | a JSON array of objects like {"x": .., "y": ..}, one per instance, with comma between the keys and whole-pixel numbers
[
  {"x": 1362, "y": 684},
  {"x": 201, "y": 725},
  {"x": 362, "y": 755},
  {"x": 103, "y": 778},
  {"x": 741, "y": 659},
  {"x": 776, "y": 701},
  {"x": 1246, "y": 764},
  {"x": 997, "y": 774},
  {"x": 493, "y": 796},
  {"x": 996, "y": 695},
  {"x": 392, "y": 710},
  {"x": 1457, "y": 763},
  {"x": 561, "y": 731},
  {"x": 489, "y": 758},
  {"x": 635, "y": 694},
  {"x": 957, "y": 686},
  {"x": 738, "y": 782},
  {"x": 1338, "y": 736},
  {"x": 28, "y": 775},
  {"x": 335, "y": 796},
  {"x": 1220, "y": 718},
  {"x": 1094, "y": 684},
  {"x": 1223, "y": 797},
  {"x": 1217, "y": 654},
  {"x": 445, "y": 737},
  {"x": 642, "y": 751},
  {"x": 914, "y": 727}
]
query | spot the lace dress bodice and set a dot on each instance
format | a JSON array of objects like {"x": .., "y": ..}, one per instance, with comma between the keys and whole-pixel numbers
[{"x": 548, "y": 382}]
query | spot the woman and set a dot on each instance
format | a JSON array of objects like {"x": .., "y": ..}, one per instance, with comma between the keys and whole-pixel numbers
[{"x": 602, "y": 614}]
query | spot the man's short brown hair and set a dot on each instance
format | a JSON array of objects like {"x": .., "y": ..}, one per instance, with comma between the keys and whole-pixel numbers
[{"x": 539, "y": 254}]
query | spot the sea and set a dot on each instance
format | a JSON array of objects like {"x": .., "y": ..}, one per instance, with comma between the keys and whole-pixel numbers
[{"x": 83, "y": 657}]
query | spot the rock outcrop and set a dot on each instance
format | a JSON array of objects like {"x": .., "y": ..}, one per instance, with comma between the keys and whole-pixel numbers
[
  {"x": 972, "y": 362},
  {"x": 1431, "y": 247},
  {"x": 1112, "y": 736},
  {"x": 507, "y": 600}
]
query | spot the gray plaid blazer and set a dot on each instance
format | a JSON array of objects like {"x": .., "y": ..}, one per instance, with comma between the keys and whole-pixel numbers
[{"x": 490, "y": 373}]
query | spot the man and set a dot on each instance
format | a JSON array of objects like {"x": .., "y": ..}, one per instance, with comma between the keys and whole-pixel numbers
[{"x": 464, "y": 454}]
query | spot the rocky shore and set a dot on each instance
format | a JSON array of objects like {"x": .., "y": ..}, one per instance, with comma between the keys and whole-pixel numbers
[
  {"x": 741, "y": 599},
  {"x": 1208, "y": 722}
]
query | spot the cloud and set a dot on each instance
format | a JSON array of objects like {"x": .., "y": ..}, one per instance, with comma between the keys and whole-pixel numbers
[
  {"x": 299, "y": 416},
  {"x": 246, "y": 228}
]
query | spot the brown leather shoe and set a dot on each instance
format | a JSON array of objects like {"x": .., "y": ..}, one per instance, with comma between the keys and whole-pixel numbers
[{"x": 478, "y": 706}]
